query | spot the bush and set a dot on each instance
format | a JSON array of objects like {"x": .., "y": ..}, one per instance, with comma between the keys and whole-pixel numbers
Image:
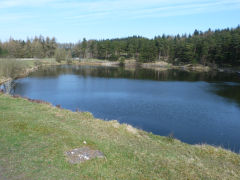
[
  {"x": 38, "y": 63},
  {"x": 11, "y": 68},
  {"x": 60, "y": 55},
  {"x": 69, "y": 57},
  {"x": 121, "y": 60}
]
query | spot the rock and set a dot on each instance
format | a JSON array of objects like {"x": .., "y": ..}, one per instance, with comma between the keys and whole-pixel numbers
[{"x": 80, "y": 155}]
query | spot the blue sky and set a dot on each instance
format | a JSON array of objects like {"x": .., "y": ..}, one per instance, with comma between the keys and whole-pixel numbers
[{"x": 71, "y": 20}]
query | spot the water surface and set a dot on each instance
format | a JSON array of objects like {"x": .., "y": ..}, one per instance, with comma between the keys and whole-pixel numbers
[{"x": 195, "y": 107}]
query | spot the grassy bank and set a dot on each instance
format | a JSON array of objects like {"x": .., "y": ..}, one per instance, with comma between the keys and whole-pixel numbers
[
  {"x": 17, "y": 68},
  {"x": 35, "y": 136},
  {"x": 10, "y": 68}
]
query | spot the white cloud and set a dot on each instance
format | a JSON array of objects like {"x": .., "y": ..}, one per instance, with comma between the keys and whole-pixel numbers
[
  {"x": 83, "y": 11},
  {"x": 74, "y": 10},
  {"x": 186, "y": 9},
  {"x": 143, "y": 8}
]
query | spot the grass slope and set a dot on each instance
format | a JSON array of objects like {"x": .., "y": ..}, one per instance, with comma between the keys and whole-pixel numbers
[{"x": 34, "y": 137}]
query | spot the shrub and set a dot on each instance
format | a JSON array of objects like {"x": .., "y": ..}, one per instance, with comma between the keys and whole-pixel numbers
[
  {"x": 60, "y": 55},
  {"x": 121, "y": 60},
  {"x": 11, "y": 68},
  {"x": 69, "y": 57}
]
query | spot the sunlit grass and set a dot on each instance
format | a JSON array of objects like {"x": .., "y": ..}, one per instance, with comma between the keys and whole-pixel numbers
[{"x": 34, "y": 138}]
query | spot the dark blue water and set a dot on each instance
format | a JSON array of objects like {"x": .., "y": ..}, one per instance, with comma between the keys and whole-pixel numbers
[{"x": 195, "y": 107}]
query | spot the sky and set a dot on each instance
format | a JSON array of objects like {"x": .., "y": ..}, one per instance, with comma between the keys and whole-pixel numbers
[{"x": 72, "y": 20}]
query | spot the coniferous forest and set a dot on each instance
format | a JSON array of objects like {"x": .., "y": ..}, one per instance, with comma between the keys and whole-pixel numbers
[{"x": 218, "y": 47}]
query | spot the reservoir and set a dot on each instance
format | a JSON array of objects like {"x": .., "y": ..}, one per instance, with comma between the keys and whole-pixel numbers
[{"x": 195, "y": 107}]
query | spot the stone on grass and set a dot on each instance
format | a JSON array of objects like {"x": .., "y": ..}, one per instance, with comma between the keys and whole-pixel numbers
[{"x": 83, "y": 154}]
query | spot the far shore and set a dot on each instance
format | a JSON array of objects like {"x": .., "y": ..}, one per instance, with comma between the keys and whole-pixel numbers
[
  {"x": 157, "y": 65},
  {"x": 33, "y": 65}
]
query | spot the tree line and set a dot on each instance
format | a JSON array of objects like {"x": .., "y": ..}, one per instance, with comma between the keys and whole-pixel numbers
[
  {"x": 39, "y": 47},
  {"x": 218, "y": 47}
]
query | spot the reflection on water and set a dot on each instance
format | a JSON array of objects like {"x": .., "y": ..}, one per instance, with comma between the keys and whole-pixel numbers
[
  {"x": 195, "y": 107},
  {"x": 139, "y": 73},
  {"x": 229, "y": 90}
]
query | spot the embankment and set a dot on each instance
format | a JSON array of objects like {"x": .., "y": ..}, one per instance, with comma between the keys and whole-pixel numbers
[{"x": 35, "y": 136}]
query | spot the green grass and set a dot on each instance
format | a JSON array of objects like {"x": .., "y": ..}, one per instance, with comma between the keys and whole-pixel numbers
[{"x": 34, "y": 137}]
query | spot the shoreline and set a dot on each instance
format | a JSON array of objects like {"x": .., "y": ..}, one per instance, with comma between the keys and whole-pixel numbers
[
  {"x": 42, "y": 141},
  {"x": 128, "y": 64},
  {"x": 3, "y": 80},
  {"x": 28, "y": 70},
  {"x": 162, "y": 65},
  {"x": 116, "y": 122}
]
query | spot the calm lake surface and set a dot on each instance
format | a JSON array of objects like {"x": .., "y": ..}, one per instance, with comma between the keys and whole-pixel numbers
[{"x": 195, "y": 107}]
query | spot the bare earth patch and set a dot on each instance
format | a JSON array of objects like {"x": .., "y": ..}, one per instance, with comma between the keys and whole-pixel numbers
[
  {"x": 80, "y": 155},
  {"x": 131, "y": 129}
]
